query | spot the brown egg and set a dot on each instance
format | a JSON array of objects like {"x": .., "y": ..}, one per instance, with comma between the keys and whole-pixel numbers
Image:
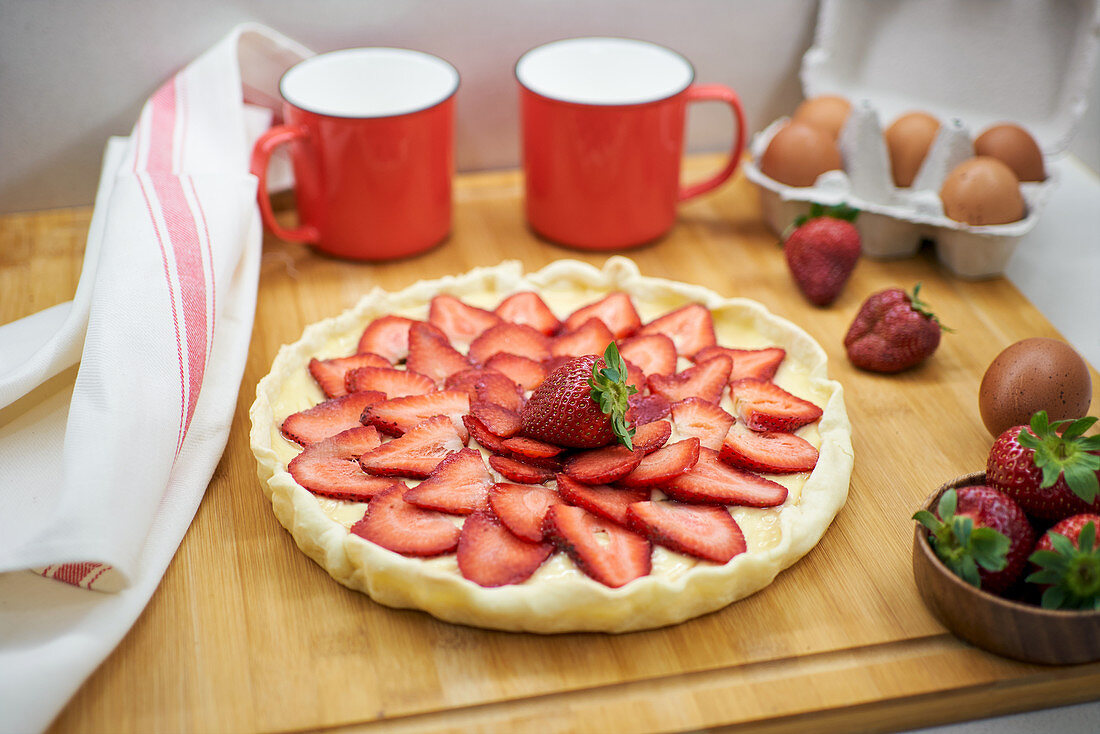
[
  {"x": 1012, "y": 145},
  {"x": 826, "y": 112},
  {"x": 982, "y": 191},
  {"x": 1032, "y": 375},
  {"x": 798, "y": 154},
  {"x": 907, "y": 141}
]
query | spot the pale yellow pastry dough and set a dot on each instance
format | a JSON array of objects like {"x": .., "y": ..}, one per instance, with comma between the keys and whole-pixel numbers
[{"x": 558, "y": 597}]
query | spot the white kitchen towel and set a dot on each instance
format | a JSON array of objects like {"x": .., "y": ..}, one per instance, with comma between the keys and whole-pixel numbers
[{"x": 103, "y": 467}]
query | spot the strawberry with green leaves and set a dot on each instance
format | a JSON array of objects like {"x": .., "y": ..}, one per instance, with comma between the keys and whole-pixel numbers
[
  {"x": 892, "y": 331},
  {"x": 822, "y": 251},
  {"x": 1067, "y": 559}
]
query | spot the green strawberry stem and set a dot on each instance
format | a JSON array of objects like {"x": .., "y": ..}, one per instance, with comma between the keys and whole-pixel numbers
[
  {"x": 924, "y": 310},
  {"x": 1061, "y": 449},
  {"x": 1072, "y": 572},
  {"x": 961, "y": 546},
  {"x": 611, "y": 393},
  {"x": 839, "y": 211}
]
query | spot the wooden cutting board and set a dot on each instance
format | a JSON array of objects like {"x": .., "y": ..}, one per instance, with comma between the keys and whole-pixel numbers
[{"x": 246, "y": 634}]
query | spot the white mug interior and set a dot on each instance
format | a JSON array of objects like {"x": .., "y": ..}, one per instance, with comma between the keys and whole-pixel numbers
[
  {"x": 369, "y": 82},
  {"x": 604, "y": 71}
]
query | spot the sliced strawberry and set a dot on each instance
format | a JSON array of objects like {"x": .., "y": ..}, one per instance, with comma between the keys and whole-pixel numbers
[
  {"x": 522, "y": 507},
  {"x": 591, "y": 337},
  {"x": 759, "y": 364},
  {"x": 500, "y": 422},
  {"x": 652, "y": 436},
  {"x": 490, "y": 555},
  {"x": 460, "y": 322},
  {"x": 480, "y": 433},
  {"x": 528, "y": 309},
  {"x": 709, "y": 533},
  {"x": 330, "y": 467},
  {"x": 395, "y": 416},
  {"x": 603, "y": 466},
  {"x": 331, "y": 374},
  {"x": 387, "y": 337},
  {"x": 615, "y": 310},
  {"x": 328, "y": 418},
  {"x": 664, "y": 465},
  {"x": 634, "y": 376},
  {"x": 510, "y": 339},
  {"x": 459, "y": 485},
  {"x": 404, "y": 528},
  {"x": 767, "y": 451},
  {"x": 703, "y": 419},
  {"x": 415, "y": 454},
  {"x": 394, "y": 383},
  {"x": 520, "y": 471},
  {"x": 764, "y": 406},
  {"x": 655, "y": 354},
  {"x": 600, "y": 499},
  {"x": 494, "y": 387},
  {"x": 690, "y": 328},
  {"x": 529, "y": 448},
  {"x": 526, "y": 373},
  {"x": 706, "y": 380},
  {"x": 712, "y": 481},
  {"x": 431, "y": 353},
  {"x": 601, "y": 549},
  {"x": 646, "y": 409}
]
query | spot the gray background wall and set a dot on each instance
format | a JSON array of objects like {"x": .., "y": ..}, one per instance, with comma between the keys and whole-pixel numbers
[{"x": 72, "y": 73}]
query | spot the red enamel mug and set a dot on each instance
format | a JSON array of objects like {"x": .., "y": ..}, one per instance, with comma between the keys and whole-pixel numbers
[
  {"x": 603, "y": 137},
  {"x": 371, "y": 136}
]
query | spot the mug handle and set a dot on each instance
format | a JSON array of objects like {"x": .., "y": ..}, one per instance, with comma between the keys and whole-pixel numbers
[
  {"x": 261, "y": 155},
  {"x": 718, "y": 93}
]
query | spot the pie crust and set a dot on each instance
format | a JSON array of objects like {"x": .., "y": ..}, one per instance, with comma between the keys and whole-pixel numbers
[{"x": 558, "y": 597}]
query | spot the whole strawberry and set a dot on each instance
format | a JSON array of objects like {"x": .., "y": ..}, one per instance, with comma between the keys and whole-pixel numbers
[
  {"x": 892, "y": 331},
  {"x": 822, "y": 252},
  {"x": 981, "y": 535},
  {"x": 1067, "y": 560},
  {"x": 1051, "y": 470},
  {"x": 582, "y": 404}
]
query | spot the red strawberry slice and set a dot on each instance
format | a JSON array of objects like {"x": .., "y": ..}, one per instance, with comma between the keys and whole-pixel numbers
[
  {"x": 610, "y": 554},
  {"x": 702, "y": 419},
  {"x": 655, "y": 354},
  {"x": 615, "y": 310},
  {"x": 431, "y": 353},
  {"x": 764, "y": 406},
  {"x": 330, "y": 467},
  {"x": 395, "y": 416},
  {"x": 522, "y": 507},
  {"x": 331, "y": 374},
  {"x": 591, "y": 337},
  {"x": 634, "y": 375},
  {"x": 524, "y": 372},
  {"x": 607, "y": 502},
  {"x": 711, "y": 481},
  {"x": 709, "y": 533},
  {"x": 759, "y": 364},
  {"x": 394, "y": 383},
  {"x": 415, "y": 454},
  {"x": 459, "y": 485},
  {"x": 652, "y": 436},
  {"x": 404, "y": 528},
  {"x": 706, "y": 380},
  {"x": 664, "y": 465},
  {"x": 603, "y": 466},
  {"x": 510, "y": 339},
  {"x": 528, "y": 309},
  {"x": 489, "y": 386},
  {"x": 460, "y": 322},
  {"x": 490, "y": 555},
  {"x": 480, "y": 433},
  {"x": 529, "y": 448},
  {"x": 520, "y": 471},
  {"x": 500, "y": 422},
  {"x": 387, "y": 337},
  {"x": 690, "y": 328},
  {"x": 767, "y": 451},
  {"x": 328, "y": 418},
  {"x": 646, "y": 409}
]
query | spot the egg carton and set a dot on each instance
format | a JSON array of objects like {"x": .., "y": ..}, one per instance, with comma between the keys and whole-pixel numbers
[{"x": 969, "y": 68}]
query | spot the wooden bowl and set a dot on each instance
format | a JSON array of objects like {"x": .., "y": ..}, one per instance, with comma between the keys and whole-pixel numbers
[{"x": 1009, "y": 628}]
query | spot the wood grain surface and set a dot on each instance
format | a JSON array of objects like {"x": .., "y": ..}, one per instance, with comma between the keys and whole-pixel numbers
[{"x": 246, "y": 634}]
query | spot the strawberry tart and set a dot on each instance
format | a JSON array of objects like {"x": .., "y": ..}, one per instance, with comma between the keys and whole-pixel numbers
[{"x": 574, "y": 449}]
